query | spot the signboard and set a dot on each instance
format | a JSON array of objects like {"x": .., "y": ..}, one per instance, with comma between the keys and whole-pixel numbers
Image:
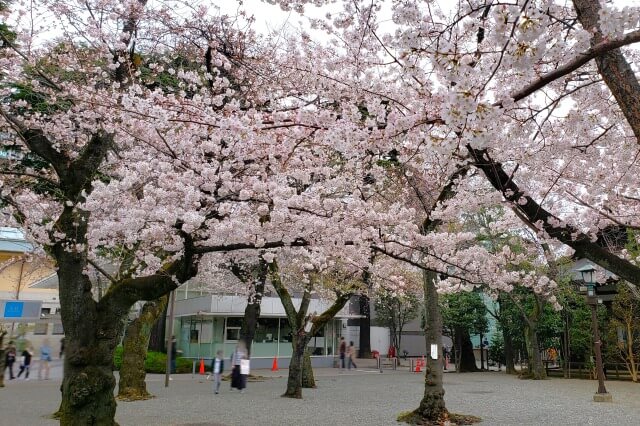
[
  {"x": 13, "y": 309},
  {"x": 20, "y": 310},
  {"x": 434, "y": 351}
]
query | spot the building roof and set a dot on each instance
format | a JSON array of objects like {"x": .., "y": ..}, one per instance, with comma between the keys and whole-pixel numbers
[
  {"x": 221, "y": 305},
  {"x": 12, "y": 240},
  {"x": 50, "y": 282}
]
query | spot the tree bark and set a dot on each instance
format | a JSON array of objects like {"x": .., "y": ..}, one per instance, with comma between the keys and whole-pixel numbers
[
  {"x": 365, "y": 327},
  {"x": 308, "y": 381},
  {"x": 467, "y": 357},
  {"x": 432, "y": 406},
  {"x": 157, "y": 339},
  {"x": 91, "y": 337},
  {"x": 294, "y": 381},
  {"x": 536, "y": 367},
  {"x": 508, "y": 352},
  {"x": 132, "y": 385}
]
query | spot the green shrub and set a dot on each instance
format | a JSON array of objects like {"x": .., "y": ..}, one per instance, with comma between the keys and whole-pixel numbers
[{"x": 155, "y": 362}]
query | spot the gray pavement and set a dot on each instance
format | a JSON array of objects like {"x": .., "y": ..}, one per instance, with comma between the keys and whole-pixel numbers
[{"x": 362, "y": 397}]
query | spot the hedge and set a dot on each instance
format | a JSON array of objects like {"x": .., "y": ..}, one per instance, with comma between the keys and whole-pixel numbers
[{"x": 155, "y": 362}]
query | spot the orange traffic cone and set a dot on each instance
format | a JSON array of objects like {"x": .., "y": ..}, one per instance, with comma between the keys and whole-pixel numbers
[
  {"x": 418, "y": 365},
  {"x": 274, "y": 367},
  {"x": 201, "y": 366}
]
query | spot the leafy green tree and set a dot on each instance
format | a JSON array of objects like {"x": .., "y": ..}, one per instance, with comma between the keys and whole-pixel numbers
[
  {"x": 395, "y": 311},
  {"x": 623, "y": 336},
  {"x": 464, "y": 314}
]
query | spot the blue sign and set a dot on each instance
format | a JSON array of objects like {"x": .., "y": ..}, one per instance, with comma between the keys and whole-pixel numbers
[{"x": 13, "y": 309}]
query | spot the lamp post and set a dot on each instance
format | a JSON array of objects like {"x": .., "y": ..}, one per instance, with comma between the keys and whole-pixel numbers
[{"x": 588, "y": 273}]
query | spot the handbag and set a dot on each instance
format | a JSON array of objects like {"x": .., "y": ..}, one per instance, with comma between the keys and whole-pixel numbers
[{"x": 244, "y": 366}]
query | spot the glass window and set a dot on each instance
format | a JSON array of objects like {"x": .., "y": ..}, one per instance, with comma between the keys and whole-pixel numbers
[
  {"x": 266, "y": 330},
  {"x": 45, "y": 311},
  {"x": 232, "y": 329},
  {"x": 285, "y": 331},
  {"x": 193, "y": 336},
  {"x": 206, "y": 332}
]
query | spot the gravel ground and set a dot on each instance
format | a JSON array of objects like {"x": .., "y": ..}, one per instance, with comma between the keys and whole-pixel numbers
[{"x": 355, "y": 398}]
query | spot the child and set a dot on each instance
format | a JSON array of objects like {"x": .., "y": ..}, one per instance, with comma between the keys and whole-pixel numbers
[{"x": 217, "y": 367}]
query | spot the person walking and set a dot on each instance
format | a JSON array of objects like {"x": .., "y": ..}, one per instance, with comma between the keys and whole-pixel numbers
[
  {"x": 239, "y": 380},
  {"x": 343, "y": 350},
  {"x": 217, "y": 367},
  {"x": 25, "y": 363},
  {"x": 351, "y": 353},
  {"x": 45, "y": 359},
  {"x": 10, "y": 359}
]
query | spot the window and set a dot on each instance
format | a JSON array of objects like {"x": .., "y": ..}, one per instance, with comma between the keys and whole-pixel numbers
[
  {"x": 285, "y": 331},
  {"x": 193, "y": 336},
  {"x": 232, "y": 329},
  {"x": 57, "y": 328},
  {"x": 45, "y": 311},
  {"x": 206, "y": 332},
  {"x": 266, "y": 330},
  {"x": 41, "y": 328}
]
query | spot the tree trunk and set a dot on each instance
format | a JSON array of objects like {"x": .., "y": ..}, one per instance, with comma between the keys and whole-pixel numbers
[
  {"x": 432, "y": 407},
  {"x": 467, "y": 357},
  {"x": 294, "y": 382},
  {"x": 308, "y": 381},
  {"x": 536, "y": 367},
  {"x": 633, "y": 366},
  {"x": 157, "y": 339},
  {"x": 508, "y": 352},
  {"x": 132, "y": 384},
  {"x": 254, "y": 301},
  {"x": 365, "y": 327},
  {"x": 91, "y": 336}
]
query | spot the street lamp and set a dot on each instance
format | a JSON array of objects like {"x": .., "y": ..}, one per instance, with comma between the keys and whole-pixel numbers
[{"x": 588, "y": 273}]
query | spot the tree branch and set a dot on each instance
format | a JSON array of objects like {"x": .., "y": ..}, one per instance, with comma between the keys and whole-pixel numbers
[
  {"x": 552, "y": 225},
  {"x": 283, "y": 294},
  {"x": 594, "y": 52}
]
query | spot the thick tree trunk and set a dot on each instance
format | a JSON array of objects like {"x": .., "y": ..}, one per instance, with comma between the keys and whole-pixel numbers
[
  {"x": 365, "y": 327},
  {"x": 91, "y": 336},
  {"x": 536, "y": 367},
  {"x": 157, "y": 338},
  {"x": 308, "y": 381},
  {"x": 294, "y": 382},
  {"x": 467, "y": 357},
  {"x": 508, "y": 353},
  {"x": 132, "y": 385},
  {"x": 432, "y": 407}
]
